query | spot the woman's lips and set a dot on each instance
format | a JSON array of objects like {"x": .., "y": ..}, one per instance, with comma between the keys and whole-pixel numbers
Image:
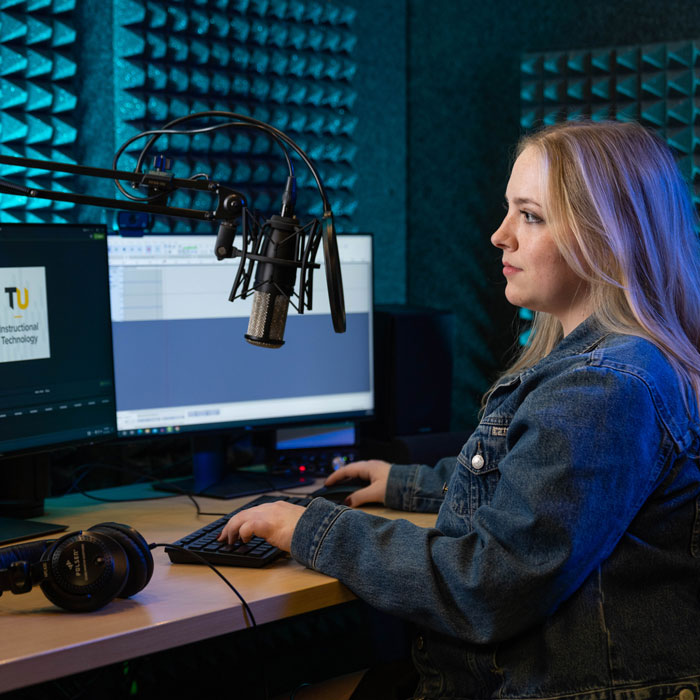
[{"x": 509, "y": 269}]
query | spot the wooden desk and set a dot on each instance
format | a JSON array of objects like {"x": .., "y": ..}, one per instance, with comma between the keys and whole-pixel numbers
[{"x": 182, "y": 603}]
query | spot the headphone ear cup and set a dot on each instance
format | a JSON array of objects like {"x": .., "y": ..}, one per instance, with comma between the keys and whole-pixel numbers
[
  {"x": 137, "y": 552},
  {"x": 84, "y": 571}
]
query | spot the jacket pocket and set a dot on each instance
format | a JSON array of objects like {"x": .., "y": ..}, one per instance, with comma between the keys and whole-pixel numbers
[{"x": 477, "y": 474}]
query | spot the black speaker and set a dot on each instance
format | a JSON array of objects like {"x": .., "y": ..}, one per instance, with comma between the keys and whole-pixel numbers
[{"x": 413, "y": 349}]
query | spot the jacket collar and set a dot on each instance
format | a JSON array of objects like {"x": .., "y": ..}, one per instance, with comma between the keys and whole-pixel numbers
[{"x": 584, "y": 338}]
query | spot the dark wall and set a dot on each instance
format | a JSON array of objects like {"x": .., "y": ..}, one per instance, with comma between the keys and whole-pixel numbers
[
  {"x": 380, "y": 80},
  {"x": 463, "y": 121}
]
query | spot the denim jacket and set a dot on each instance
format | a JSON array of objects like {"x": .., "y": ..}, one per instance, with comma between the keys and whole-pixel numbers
[{"x": 565, "y": 560}]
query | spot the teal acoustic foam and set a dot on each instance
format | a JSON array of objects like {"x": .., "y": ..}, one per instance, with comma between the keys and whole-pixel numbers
[
  {"x": 38, "y": 98},
  {"x": 287, "y": 62},
  {"x": 655, "y": 84}
]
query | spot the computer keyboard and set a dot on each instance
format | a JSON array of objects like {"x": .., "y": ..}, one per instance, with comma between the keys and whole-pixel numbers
[{"x": 203, "y": 541}]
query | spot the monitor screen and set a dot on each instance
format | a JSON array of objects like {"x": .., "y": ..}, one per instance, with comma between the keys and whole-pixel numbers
[
  {"x": 181, "y": 360},
  {"x": 56, "y": 373}
]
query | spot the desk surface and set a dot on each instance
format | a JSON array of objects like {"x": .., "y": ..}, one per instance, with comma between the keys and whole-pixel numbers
[{"x": 182, "y": 603}]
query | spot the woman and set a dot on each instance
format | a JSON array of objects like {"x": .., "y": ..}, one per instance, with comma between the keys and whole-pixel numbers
[{"x": 566, "y": 556}]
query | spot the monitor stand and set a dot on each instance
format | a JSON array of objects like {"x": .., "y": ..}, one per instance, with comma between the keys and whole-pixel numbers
[
  {"x": 212, "y": 476},
  {"x": 24, "y": 483}
]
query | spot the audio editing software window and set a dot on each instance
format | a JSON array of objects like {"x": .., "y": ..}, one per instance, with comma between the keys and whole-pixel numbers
[{"x": 181, "y": 360}]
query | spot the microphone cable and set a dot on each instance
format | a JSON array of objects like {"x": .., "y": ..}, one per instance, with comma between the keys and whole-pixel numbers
[
  {"x": 279, "y": 135},
  {"x": 156, "y": 133}
]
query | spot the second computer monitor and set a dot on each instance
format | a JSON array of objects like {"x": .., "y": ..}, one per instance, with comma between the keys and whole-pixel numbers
[
  {"x": 182, "y": 363},
  {"x": 56, "y": 382}
]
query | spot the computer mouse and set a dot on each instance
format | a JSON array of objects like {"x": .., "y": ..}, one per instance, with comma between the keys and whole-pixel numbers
[{"x": 340, "y": 491}]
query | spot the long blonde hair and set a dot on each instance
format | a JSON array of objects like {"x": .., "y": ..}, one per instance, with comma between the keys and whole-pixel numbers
[{"x": 621, "y": 216}]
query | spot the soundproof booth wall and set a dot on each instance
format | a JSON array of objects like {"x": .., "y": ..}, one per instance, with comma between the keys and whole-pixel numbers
[{"x": 77, "y": 79}]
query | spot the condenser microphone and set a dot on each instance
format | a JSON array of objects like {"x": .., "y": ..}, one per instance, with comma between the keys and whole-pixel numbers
[
  {"x": 274, "y": 285},
  {"x": 274, "y": 280}
]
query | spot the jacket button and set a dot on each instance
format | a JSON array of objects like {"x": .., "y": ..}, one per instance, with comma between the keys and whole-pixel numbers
[
  {"x": 477, "y": 461},
  {"x": 420, "y": 643},
  {"x": 686, "y": 694}
]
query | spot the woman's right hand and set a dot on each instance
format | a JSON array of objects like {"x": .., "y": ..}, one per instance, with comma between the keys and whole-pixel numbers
[{"x": 374, "y": 471}]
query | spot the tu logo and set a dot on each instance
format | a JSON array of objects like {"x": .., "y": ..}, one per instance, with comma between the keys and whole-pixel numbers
[{"x": 11, "y": 291}]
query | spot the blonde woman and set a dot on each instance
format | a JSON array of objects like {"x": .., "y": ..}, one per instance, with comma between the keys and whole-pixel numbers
[{"x": 566, "y": 557}]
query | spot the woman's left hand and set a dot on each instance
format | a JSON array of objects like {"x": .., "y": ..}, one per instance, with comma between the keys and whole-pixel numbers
[{"x": 274, "y": 522}]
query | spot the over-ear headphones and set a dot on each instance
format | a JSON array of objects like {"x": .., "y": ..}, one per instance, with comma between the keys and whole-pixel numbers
[{"x": 82, "y": 571}]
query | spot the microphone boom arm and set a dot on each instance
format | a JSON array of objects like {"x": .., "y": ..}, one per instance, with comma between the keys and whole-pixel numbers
[{"x": 230, "y": 207}]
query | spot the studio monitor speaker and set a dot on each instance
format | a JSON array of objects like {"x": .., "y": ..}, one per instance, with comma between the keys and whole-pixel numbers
[{"x": 413, "y": 370}]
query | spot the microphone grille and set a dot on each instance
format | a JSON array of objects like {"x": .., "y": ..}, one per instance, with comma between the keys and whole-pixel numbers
[{"x": 264, "y": 305}]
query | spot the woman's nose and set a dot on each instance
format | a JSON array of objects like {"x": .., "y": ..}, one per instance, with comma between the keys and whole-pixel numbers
[{"x": 502, "y": 237}]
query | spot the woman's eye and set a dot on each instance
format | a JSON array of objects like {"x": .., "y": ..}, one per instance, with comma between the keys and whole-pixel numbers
[{"x": 530, "y": 218}]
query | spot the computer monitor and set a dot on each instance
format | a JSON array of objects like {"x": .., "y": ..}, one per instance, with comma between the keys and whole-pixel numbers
[
  {"x": 182, "y": 364},
  {"x": 56, "y": 371}
]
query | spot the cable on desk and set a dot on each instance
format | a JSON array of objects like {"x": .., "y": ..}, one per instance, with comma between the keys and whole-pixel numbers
[
  {"x": 85, "y": 469},
  {"x": 89, "y": 467},
  {"x": 147, "y": 477},
  {"x": 246, "y": 607}
]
